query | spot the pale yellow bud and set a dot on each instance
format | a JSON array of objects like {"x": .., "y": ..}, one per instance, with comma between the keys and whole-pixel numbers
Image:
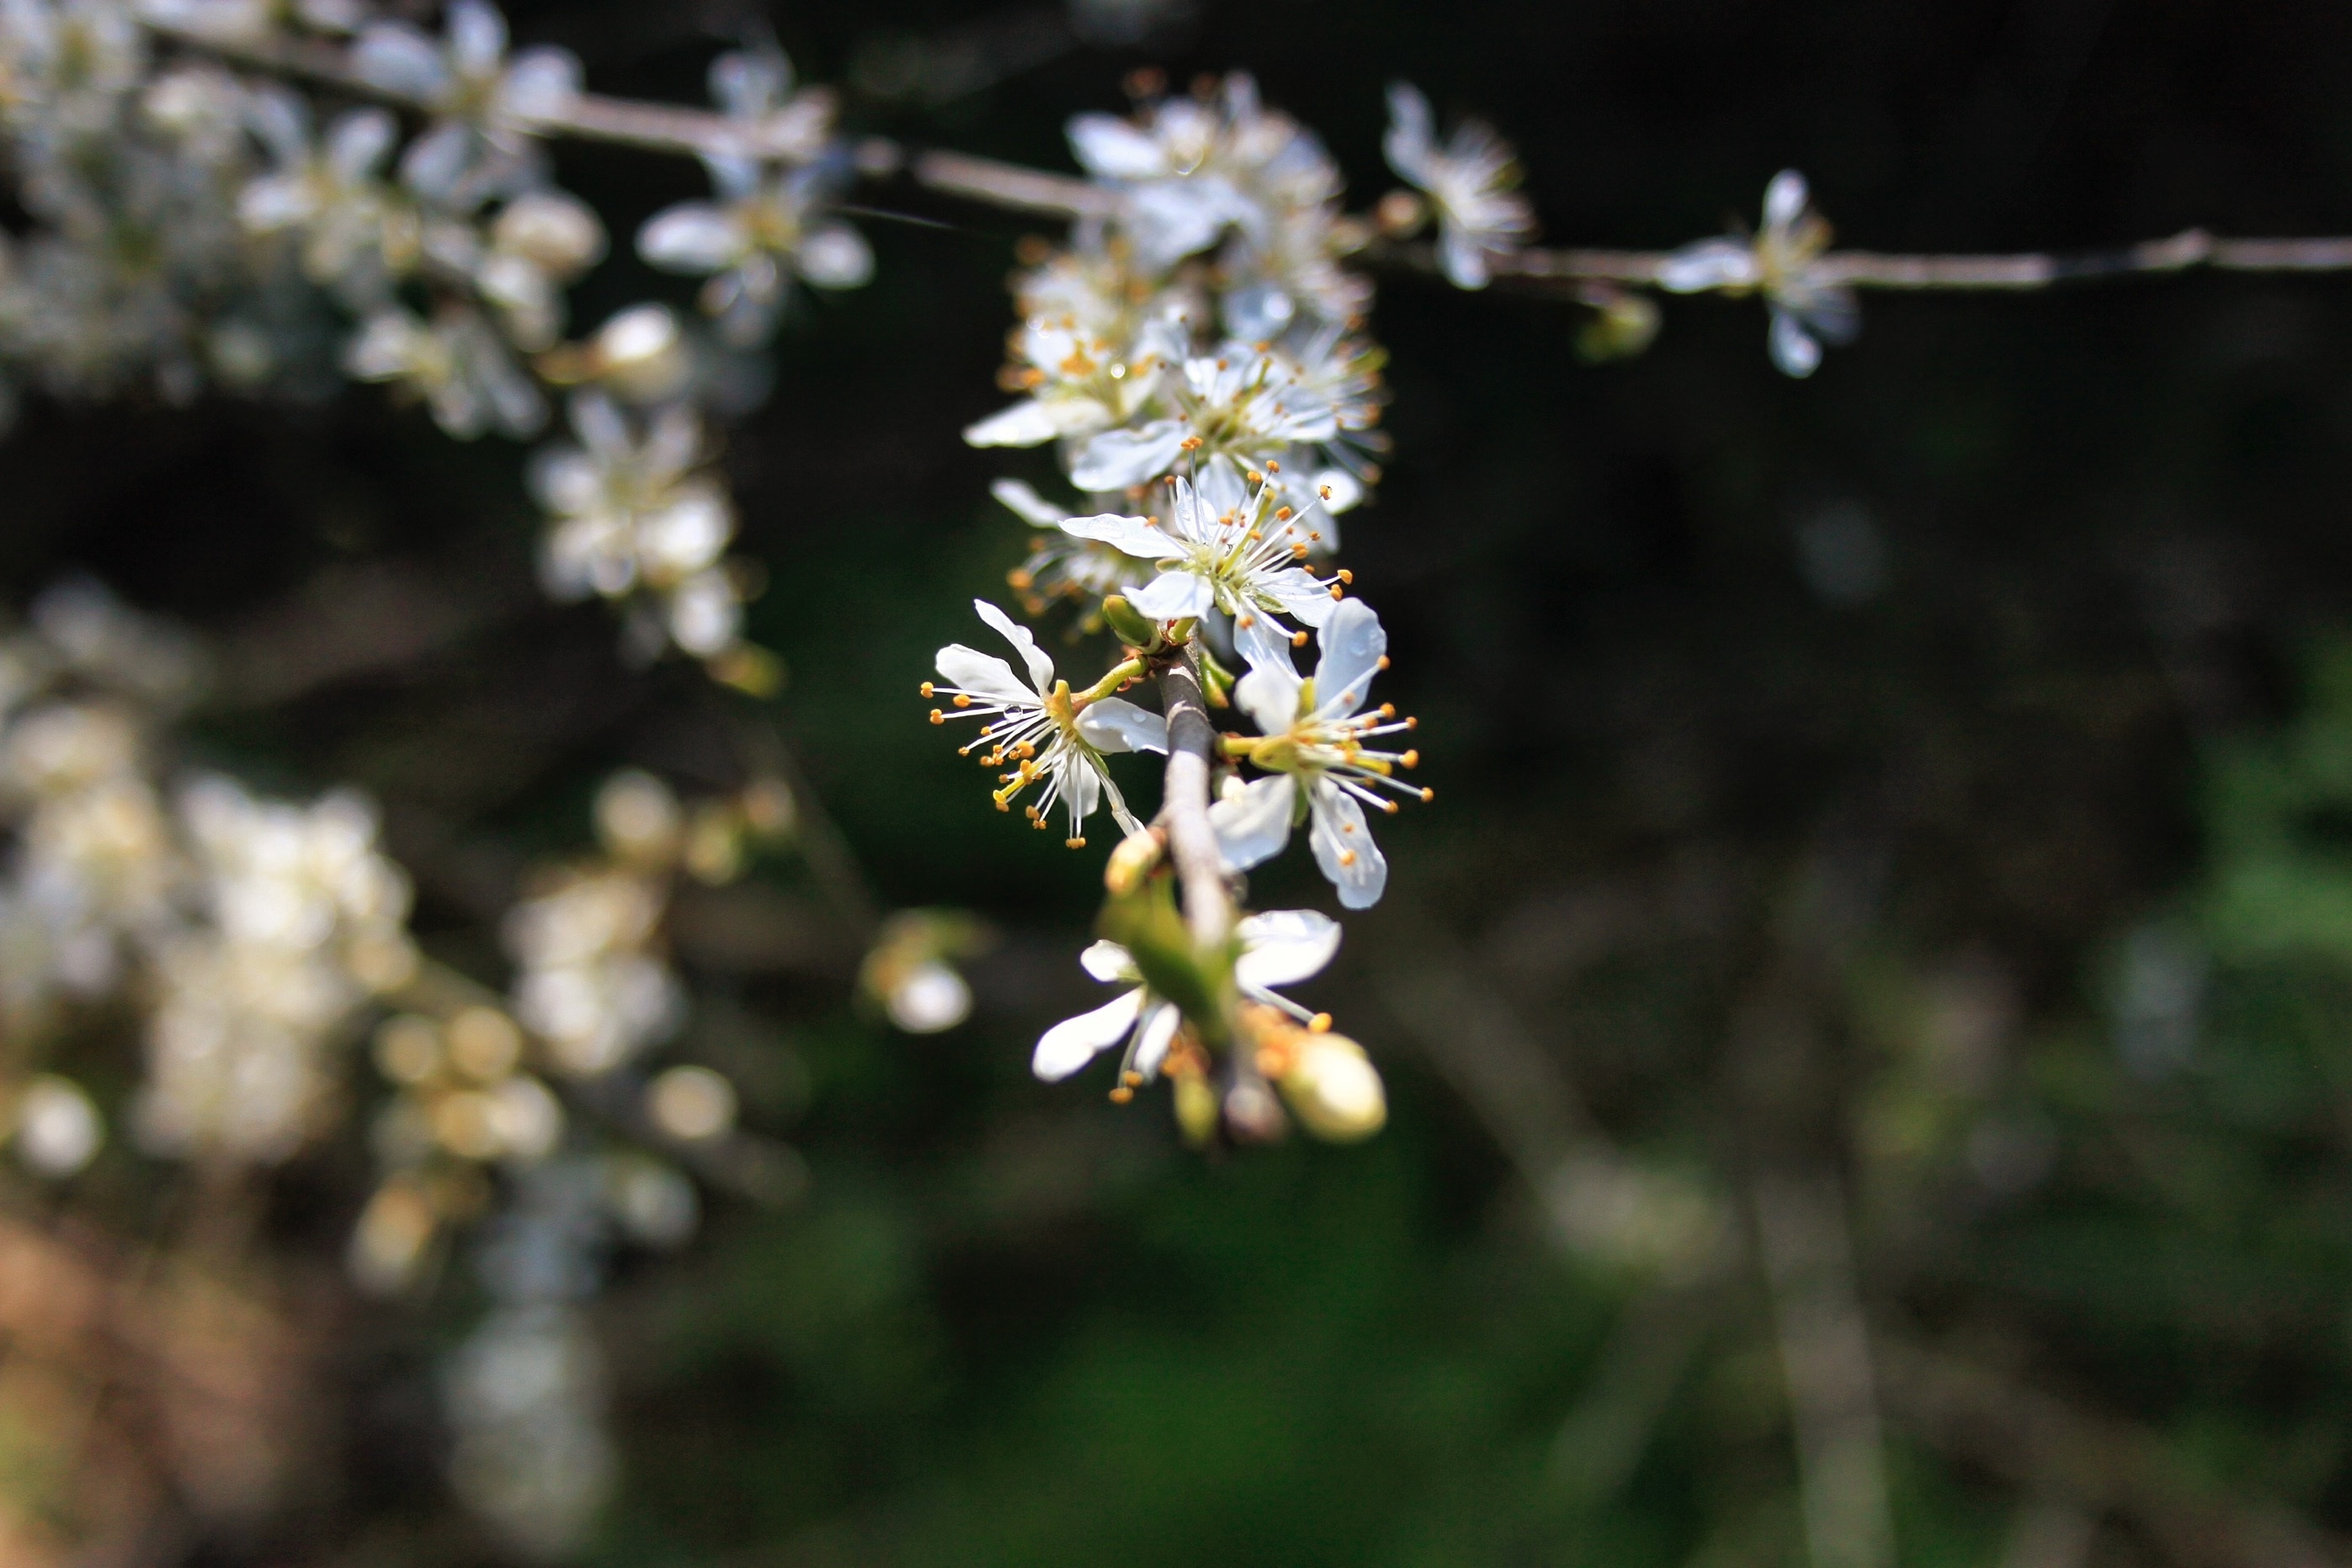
[{"x": 1334, "y": 1090}]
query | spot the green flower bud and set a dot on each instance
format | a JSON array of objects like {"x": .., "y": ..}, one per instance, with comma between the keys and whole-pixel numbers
[{"x": 1129, "y": 626}]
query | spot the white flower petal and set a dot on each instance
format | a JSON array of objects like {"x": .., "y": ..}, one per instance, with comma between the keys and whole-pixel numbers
[
  {"x": 1172, "y": 596},
  {"x": 1114, "y": 724},
  {"x": 1107, "y": 961},
  {"x": 477, "y": 36},
  {"x": 1283, "y": 947},
  {"x": 1784, "y": 199},
  {"x": 1252, "y": 826},
  {"x": 1027, "y": 505},
  {"x": 541, "y": 83},
  {"x": 1028, "y": 422},
  {"x": 1795, "y": 350},
  {"x": 1270, "y": 695},
  {"x": 1407, "y": 143},
  {"x": 691, "y": 236},
  {"x": 1709, "y": 264},
  {"x": 1041, "y": 667},
  {"x": 1353, "y": 643},
  {"x": 357, "y": 142},
  {"x": 1301, "y": 594},
  {"x": 1260, "y": 638},
  {"x": 397, "y": 58},
  {"x": 1151, "y": 1043},
  {"x": 1463, "y": 258},
  {"x": 835, "y": 256},
  {"x": 1120, "y": 458},
  {"x": 1343, "y": 845},
  {"x": 1112, "y": 149},
  {"x": 983, "y": 675},
  {"x": 1071, "y": 1043},
  {"x": 1135, "y": 536}
]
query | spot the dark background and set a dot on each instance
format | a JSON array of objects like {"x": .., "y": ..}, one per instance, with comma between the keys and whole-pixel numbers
[{"x": 1837, "y": 782}]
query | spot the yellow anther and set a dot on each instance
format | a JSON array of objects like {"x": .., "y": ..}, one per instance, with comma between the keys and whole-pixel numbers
[
  {"x": 1074, "y": 844},
  {"x": 1346, "y": 857},
  {"x": 1121, "y": 1095},
  {"x": 1020, "y": 581},
  {"x": 1191, "y": 444},
  {"x": 938, "y": 718},
  {"x": 961, "y": 700},
  {"x": 1273, "y": 468},
  {"x": 926, "y": 688},
  {"x": 1388, "y": 710},
  {"x": 1320, "y": 1023},
  {"x": 1427, "y": 796},
  {"x": 1256, "y": 477},
  {"x": 1350, "y": 579},
  {"x": 1299, "y": 639},
  {"x": 1334, "y": 592},
  {"x": 1130, "y": 1078},
  {"x": 1390, "y": 807},
  {"x": 1411, "y": 759},
  {"x": 1299, "y": 552},
  {"x": 1384, "y": 658},
  {"x": 1282, "y": 514}
]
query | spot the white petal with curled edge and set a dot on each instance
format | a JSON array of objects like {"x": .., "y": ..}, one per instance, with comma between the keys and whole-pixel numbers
[
  {"x": 1784, "y": 199},
  {"x": 1041, "y": 667},
  {"x": 1300, "y": 592},
  {"x": 1709, "y": 264},
  {"x": 1134, "y": 535},
  {"x": 1107, "y": 961},
  {"x": 1343, "y": 846},
  {"x": 1028, "y": 422},
  {"x": 690, "y": 236},
  {"x": 1283, "y": 947},
  {"x": 1114, "y": 724},
  {"x": 1082, "y": 786},
  {"x": 836, "y": 256},
  {"x": 1159, "y": 1029},
  {"x": 1260, "y": 638},
  {"x": 1118, "y": 458},
  {"x": 436, "y": 161},
  {"x": 1270, "y": 695},
  {"x": 983, "y": 675},
  {"x": 1252, "y": 826},
  {"x": 1353, "y": 643},
  {"x": 1794, "y": 350},
  {"x": 1027, "y": 505},
  {"x": 1171, "y": 596},
  {"x": 1407, "y": 143},
  {"x": 1112, "y": 149},
  {"x": 1071, "y": 1043}
]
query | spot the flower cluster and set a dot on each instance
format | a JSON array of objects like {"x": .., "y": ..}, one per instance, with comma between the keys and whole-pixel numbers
[
  {"x": 1198, "y": 361},
  {"x": 196, "y": 226}
]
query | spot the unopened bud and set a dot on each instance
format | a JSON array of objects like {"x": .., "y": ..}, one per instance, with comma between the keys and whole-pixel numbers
[
  {"x": 1400, "y": 214},
  {"x": 1135, "y": 858},
  {"x": 1334, "y": 1090},
  {"x": 1128, "y": 624},
  {"x": 1623, "y": 324},
  {"x": 1196, "y": 1109}
]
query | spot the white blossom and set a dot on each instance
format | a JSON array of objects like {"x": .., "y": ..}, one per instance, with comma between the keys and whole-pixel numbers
[
  {"x": 1049, "y": 734},
  {"x": 1240, "y": 557},
  {"x": 1278, "y": 948},
  {"x": 1312, "y": 748},
  {"x": 487, "y": 103},
  {"x": 768, "y": 227},
  {"x": 457, "y": 363},
  {"x": 638, "y": 512},
  {"x": 357, "y": 234},
  {"x": 1809, "y": 306},
  {"x": 1472, "y": 180}
]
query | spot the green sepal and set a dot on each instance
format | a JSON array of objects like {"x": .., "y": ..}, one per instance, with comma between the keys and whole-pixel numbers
[
  {"x": 1130, "y": 626},
  {"x": 1146, "y": 923}
]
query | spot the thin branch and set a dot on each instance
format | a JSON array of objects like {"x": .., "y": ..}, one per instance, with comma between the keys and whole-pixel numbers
[
  {"x": 667, "y": 128},
  {"x": 1184, "y": 805}
]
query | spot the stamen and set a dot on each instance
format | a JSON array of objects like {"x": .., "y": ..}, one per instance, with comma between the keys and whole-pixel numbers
[
  {"x": 938, "y": 718},
  {"x": 1320, "y": 1023},
  {"x": 926, "y": 688}
]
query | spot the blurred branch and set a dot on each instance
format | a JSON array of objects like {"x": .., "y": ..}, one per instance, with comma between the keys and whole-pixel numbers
[
  {"x": 1184, "y": 808},
  {"x": 666, "y": 128},
  {"x": 1804, "y": 1237}
]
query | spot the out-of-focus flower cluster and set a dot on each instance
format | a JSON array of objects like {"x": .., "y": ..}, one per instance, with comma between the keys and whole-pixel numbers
[
  {"x": 194, "y": 226},
  {"x": 252, "y": 933}
]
